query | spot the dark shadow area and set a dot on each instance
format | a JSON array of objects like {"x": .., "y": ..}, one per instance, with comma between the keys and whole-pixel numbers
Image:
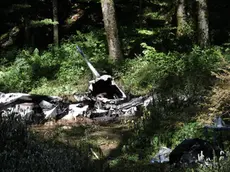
[
  {"x": 24, "y": 150},
  {"x": 45, "y": 71}
]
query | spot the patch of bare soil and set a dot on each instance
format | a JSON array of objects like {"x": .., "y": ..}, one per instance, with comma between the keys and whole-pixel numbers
[{"x": 107, "y": 137}]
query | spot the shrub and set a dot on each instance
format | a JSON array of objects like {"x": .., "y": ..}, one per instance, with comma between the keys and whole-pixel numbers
[
  {"x": 172, "y": 73},
  {"x": 55, "y": 66},
  {"x": 187, "y": 131},
  {"x": 17, "y": 77}
]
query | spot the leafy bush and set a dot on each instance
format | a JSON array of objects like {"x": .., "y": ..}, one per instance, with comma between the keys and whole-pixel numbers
[
  {"x": 172, "y": 73},
  {"x": 187, "y": 131},
  {"x": 17, "y": 77},
  {"x": 32, "y": 71}
]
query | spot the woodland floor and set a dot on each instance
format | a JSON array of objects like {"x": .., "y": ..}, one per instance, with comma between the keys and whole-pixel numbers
[{"x": 106, "y": 138}]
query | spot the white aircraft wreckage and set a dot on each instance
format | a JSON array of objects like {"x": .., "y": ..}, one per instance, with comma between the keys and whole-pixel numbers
[{"x": 103, "y": 101}]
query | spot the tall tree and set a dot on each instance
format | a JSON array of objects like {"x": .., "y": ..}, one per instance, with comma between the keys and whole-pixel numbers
[
  {"x": 203, "y": 28},
  {"x": 111, "y": 29},
  {"x": 181, "y": 18},
  {"x": 26, "y": 24},
  {"x": 55, "y": 25}
]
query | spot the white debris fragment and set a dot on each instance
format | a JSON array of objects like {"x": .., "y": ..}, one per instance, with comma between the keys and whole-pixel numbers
[
  {"x": 24, "y": 109},
  {"x": 162, "y": 156},
  {"x": 148, "y": 101},
  {"x": 11, "y": 97},
  {"x": 65, "y": 127},
  {"x": 45, "y": 105},
  {"x": 130, "y": 112},
  {"x": 75, "y": 111},
  {"x": 49, "y": 114}
]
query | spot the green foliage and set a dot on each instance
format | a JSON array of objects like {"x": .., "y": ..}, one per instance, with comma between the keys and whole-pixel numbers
[
  {"x": 4, "y": 36},
  {"x": 163, "y": 125},
  {"x": 146, "y": 32},
  {"x": 40, "y": 23},
  {"x": 170, "y": 76},
  {"x": 45, "y": 72},
  {"x": 16, "y": 77},
  {"x": 189, "y": 30},
  {"x": 187, "y": 131},
  {"x": 153, "y": 15},
  {"x": 172, "y": 73}
]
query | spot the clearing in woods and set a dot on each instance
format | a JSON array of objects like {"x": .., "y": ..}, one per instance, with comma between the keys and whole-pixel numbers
[{"x": 106, "y": 138}]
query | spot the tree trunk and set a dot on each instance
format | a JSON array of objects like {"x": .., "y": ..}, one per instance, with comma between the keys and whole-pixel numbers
[
  {"x": 203, "y": 28},
  {"x": 26, "y": 26},
  {"x": 181, "y": 18},
  {"x": 55, "y": 19},
  {"x": 27, "y": 32},
  {"x": 111, "y": 29}
]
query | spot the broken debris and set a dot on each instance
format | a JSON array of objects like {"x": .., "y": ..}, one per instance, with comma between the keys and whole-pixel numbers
[
  {"x": 162, "y": 156},
  {"x": 104, "y": 101},
  {"x": 192, "y": 151},
  {"x": 99, "y": 102}
]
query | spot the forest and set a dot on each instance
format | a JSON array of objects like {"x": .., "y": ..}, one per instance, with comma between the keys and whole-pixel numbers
[{"x": 177, "y": 51}]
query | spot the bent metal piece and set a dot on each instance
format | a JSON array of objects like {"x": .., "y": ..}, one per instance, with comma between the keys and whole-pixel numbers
[
  {"x": 219, "y": 124},
  {"x": 97, "y": 75},
  {"x": 94, "y": 71},
  {"x": 106, "y": 84},
  {"x": 9, "y": 99}
]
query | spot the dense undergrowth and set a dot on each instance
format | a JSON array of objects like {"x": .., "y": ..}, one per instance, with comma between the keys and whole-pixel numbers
[
  {"x": 55, "y": 71},
  {"x": 62, "y": 70},
  {"x": 200, "y": 77}
]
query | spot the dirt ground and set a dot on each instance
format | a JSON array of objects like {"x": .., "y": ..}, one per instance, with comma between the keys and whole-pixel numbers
[{"x": 108, "y": 137}]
